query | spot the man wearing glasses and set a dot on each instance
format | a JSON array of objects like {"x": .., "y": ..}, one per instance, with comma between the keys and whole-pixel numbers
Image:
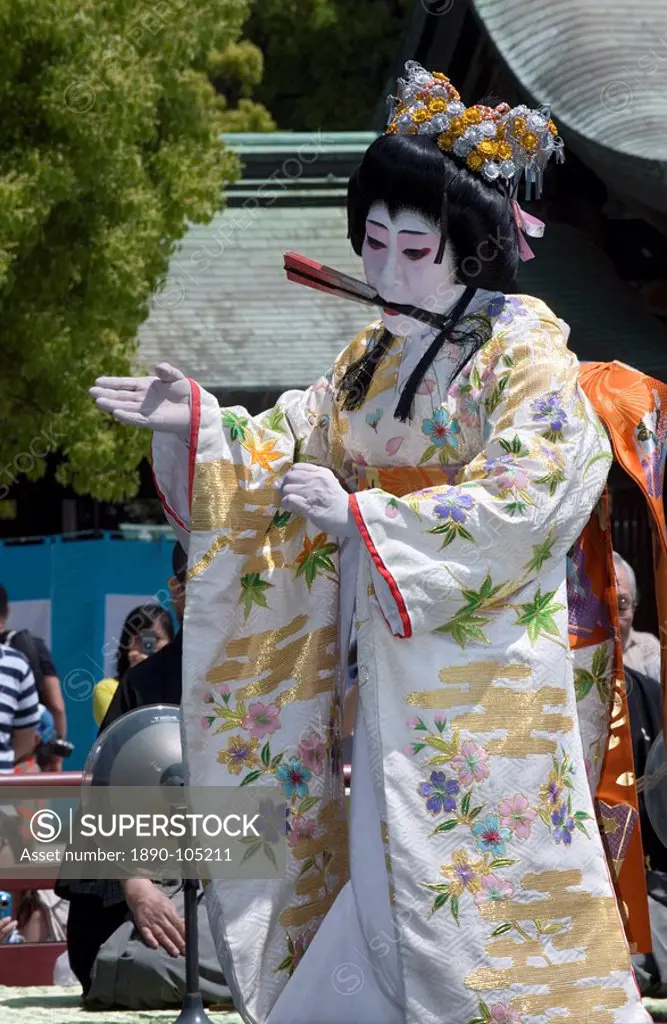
[{"x": 641, "y": 651}]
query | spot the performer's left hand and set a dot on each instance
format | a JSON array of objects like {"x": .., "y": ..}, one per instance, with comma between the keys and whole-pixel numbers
[{"x": 314, "y": 492}]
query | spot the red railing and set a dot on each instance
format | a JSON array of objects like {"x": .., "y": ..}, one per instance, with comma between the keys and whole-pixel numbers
[
  {"x": 30, "y": 781},
  {"x": 74, "y": 779},
  {"x": 70, "y": 779},
  {"x": 42, "y": 779},
  {"x": 32, "y": 963}
]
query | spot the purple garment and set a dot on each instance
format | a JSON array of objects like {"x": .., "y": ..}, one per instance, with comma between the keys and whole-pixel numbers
[{"x": 586, "y": 612}]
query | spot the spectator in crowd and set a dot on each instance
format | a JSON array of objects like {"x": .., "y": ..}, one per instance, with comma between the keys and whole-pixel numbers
[
  {"x": 645, "y": 707},
  {"x": 44, "y": 673},
  {"x": 19, "y": 708},
  {"x": 41, "y": 916},
  {"x": 641, "y": 651},
  {"x": 146, "y": 630},
  {"x": 157, "y": 680},
  {"x": 98, "y": 908},
  {"x": 6, "y": 928}
]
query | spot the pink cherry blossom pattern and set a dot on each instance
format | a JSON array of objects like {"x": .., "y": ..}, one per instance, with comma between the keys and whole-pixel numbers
[
  {"x": 262, "y": 720},
  {"x": 501, "y": 1014},
  {"x": 493, "y": 890},
  {"x": 313, "y": 751},
  {"x": 302, "y": 828},
  {"x": 471, "y": 763},
  {"x": 468, "y": 404},
  {"x": 426, "y": 387},
  {"x": 393, "y": 444},
  {"x": 517, "y": 815}
]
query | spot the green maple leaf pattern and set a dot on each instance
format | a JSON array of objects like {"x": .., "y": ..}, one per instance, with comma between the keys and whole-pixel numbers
[
  {"x": 541, "y": 553},
  {"x": 538, "y": 614},
  {"x": 315, "y": 558},
  {"x": 236, "y": 425},
  {"x": 467, "y": 625},
  {"x": 274, "y": 419},
  {"x": 585, "y": 680},
  {"x": 252, "y": 592},
  {"x": 281, "y": 518},
  {"x": 478, "y": 598},
  {"x": 466, "y": 629}
]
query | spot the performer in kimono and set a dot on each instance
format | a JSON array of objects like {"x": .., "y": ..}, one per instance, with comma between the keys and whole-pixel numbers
[{"x": 425, "y": 493}]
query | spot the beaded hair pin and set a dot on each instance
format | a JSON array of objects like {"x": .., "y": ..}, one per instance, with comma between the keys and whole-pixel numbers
[{"x": 496, "y": 142}]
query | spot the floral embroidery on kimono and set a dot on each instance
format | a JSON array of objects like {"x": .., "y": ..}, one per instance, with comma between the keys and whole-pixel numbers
[{"x": 468, "y": 695}]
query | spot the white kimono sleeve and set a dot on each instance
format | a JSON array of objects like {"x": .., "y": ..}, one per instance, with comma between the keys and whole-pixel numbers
[{"x": 296, "y": 428}]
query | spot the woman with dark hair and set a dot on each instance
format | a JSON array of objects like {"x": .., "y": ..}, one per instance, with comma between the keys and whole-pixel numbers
[
  {"x": 147, "y": 629},
  {"x": 424, "y": 493}
]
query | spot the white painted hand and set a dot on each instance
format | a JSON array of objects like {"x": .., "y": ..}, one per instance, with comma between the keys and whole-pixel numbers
[
  {"x": 160, "y": 403},
  {"x": 314, "y": 492}
]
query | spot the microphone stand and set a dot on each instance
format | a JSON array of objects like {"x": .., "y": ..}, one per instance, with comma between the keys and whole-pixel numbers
[
  {"x": 193, "y": 1008},
  {"x": 192, "y": 1011}
]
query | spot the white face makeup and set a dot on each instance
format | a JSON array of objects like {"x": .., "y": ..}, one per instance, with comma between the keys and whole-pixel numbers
[{"x": 399, "y": 262}]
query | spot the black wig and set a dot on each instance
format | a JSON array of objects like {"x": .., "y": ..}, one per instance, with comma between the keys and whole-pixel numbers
[{"x": 474, "y": 215}]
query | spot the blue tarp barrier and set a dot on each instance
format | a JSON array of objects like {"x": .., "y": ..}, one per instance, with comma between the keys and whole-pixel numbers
[{"x": 76, "y": 593}]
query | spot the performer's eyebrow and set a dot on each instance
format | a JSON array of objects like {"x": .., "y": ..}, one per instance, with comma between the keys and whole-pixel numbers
[{"x": 404, "y": 231}]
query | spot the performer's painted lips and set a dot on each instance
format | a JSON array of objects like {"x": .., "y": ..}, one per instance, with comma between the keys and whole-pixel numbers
[{"x": 391, "y": 312}]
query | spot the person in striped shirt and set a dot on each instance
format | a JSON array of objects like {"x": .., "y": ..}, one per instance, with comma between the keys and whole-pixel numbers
[{"x": 19, "y": 707}]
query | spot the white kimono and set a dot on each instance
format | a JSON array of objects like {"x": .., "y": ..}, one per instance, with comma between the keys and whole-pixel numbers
[{"x": 475, "y": 889}]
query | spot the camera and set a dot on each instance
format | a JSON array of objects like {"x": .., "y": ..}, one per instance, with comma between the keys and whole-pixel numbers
[
  {"x": 5, "y": 905},
  {"x": 148, "y": 641},
  {"x": 57, "y": 747}
]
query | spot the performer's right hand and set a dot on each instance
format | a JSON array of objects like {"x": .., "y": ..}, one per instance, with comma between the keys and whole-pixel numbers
[{"x": 160, "y": 403}]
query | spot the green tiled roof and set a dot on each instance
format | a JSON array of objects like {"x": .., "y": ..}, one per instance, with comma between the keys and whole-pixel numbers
[
  {"x": 229, "y": 317},
  {"x": 240, "y": 323}
]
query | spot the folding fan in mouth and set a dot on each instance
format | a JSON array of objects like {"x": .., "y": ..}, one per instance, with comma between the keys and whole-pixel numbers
[{"x": 326, "y": 279}]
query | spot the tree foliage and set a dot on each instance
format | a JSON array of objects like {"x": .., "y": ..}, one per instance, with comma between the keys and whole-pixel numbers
[
  {"x": 326, "y": 60},
  {"x": 109, "y": 147}
]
